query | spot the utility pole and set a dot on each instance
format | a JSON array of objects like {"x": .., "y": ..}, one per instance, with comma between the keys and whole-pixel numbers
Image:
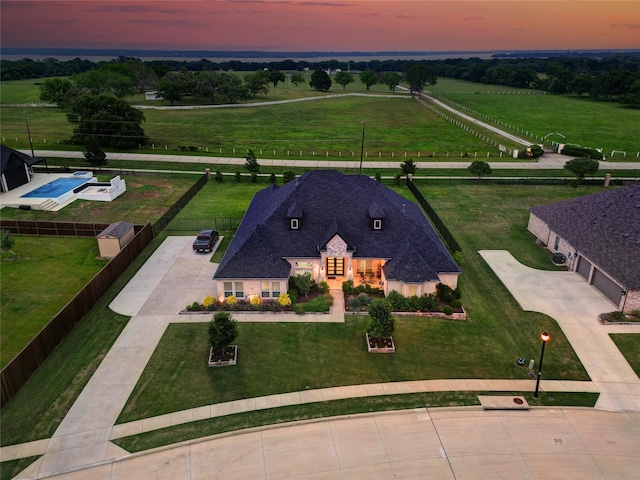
[
  {"x": 362, "y": 146},
  {"x": 26, "y": 120}
]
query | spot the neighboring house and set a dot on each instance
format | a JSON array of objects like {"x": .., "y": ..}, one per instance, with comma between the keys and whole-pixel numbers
[
  {"x": 16, "y": 168},
  {"x": 600, "y": 235},
  {"x": 336, "y": 227}
]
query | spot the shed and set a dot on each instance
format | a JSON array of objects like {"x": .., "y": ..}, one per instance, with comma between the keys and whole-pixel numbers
[{"x": 114, "y": 238}]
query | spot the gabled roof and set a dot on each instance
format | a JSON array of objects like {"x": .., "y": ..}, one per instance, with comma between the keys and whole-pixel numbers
[
  {"x": 333, "y": 203},
  {"x": 8, "y": 155},
  {"x": 604, "y": 227},
  {"x": 117, "y": 230}
]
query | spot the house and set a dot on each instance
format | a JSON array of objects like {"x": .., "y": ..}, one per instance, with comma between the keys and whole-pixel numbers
[
  {"x": 114, "y": 238},
  {"x": 600, "y": 236},
  {"x": 16, "y": 168},
  {"x": 336, "y": 227}
]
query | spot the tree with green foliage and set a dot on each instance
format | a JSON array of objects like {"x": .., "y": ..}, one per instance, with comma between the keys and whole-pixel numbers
[
  {"x": 257, "y": 83},
  {"x": 303, "y": 282},
  {"x": 320, "y": 80},
  {"x": 104, "y": 80},
  {"x": 288, "y": 175},
  {"x": 344, "y": 78},
  {"x": 218, "y": 176},
  {"x": 223, "y": 330},
  {"x": 479, "y": 169},
  {"x": 56, "y": 90},
  {"x": 297, "y": 78},
  {"x": 93, "y": 154},
  {"x": 381, "y": 323},
  {"x": 143, "y": 76},
  {"x": 391, "y": 80},
  {"x": 252, "y": 164},
  {"x": 111, "y": 121},
  {"x": 368, "y": 77},
  {"x": 169, "y": 89},
  {"x": 273, "y": 179},
  {"x": 6, "y": 243},
  {"x": 582, "y": 167},
  {"x": 408, "y": 167},
  {"x": 275, "y": 76},
  {"x": 417, "y": 75}
]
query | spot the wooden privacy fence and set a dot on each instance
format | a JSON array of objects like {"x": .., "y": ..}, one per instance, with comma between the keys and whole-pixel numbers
[
  {"x": 451, "y": 242},
  {"x": 18, "y": 371},
  {"x": 66, "y": 229}
]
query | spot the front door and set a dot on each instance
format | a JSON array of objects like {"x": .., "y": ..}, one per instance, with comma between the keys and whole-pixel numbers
[{"x": 335, "y": 266}]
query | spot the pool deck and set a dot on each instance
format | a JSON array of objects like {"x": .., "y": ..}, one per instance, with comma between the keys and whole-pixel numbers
[{"x": 14, "y": 198}]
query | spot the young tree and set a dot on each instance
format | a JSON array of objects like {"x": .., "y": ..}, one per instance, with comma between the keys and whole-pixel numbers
[
  {"x": 257, "y": 83},
  {"x": 320, "y": 80},
  {"x": 408, "y": 167},
  {"x": 479, "y": 169},
  {"x": 222, "y": 330},
  {"x": 391, "y": 80},
  {"x": 6, "y": 243},
  {"x": 297, "y": 78},
  {"x": 303, "y": 282},
  {"x": 93, "y": 154},
  {"x": 344, "y": 78},
  {"x": 382, "y": 323},
  {"x": 418, "y": 75},
  {"x": 369, "y": 77},
  {"x": 112, "y": 121},
  {"x": 252, "y": 164},
  {"x": 582, "y": 167}
]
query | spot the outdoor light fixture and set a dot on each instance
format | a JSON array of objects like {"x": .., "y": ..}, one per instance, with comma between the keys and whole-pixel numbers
[{"x": 545, "y": 338}]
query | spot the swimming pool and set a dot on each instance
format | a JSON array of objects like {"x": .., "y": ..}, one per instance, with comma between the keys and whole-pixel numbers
[{"x": 56, "y": 188}]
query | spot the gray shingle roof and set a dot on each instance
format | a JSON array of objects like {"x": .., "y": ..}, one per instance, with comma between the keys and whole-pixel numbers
[
  {"x": 604, "y": 227},
  {"x": 330, "y": 203},
  {"x": 116, "y": 230}
]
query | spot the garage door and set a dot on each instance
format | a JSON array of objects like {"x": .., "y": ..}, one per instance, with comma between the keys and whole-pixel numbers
[
  {"x": 608, "y": 287},
  {"x": 584, "y": 267}
]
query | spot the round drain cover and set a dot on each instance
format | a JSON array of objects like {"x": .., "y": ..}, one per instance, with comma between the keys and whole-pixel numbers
[{"x": 518, "y": 401}]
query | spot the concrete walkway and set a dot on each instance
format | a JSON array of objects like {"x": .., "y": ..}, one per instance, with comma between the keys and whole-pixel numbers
[
  {"x": 172, "y": 278},
  {"x": 575, "y": 305}
]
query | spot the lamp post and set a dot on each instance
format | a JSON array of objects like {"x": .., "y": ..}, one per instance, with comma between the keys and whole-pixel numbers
[
  {"x": 545, "y": 338},
  {"x": 362, "y": 146}
]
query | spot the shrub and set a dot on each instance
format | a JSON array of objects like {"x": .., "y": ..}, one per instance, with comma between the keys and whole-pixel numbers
[
  {"x": 231, "y": 300},
  {"x": 323, "y": 287},
  {"x": 304, "y": 283},
  {"x": 273, "y": 179},
  {"x": 397, "y": 300},
  {"x": 255, "y": 301},
  {"x": 238, "y": 177},
  {"x": 284, "y": 300},
  {"x": 254, "y": 177},
  {"x": 378, "y": 177},
  {"x": 427, "y": 303},
  {"x": 347, "y": 287},
  {"x": 444, "y": 292},
  {"x": 208, "y": 302},
  {"x": 222, "y": 330},
  {"x": 319, "y": 304},
  {"x": 288, "y": 175},
  {"x": 578, "y": 151},
  {"x": 218, "y": 176},
  {"x": 457, "y": 257},
  {"x": 360, "y": 302},
  {"x": 382, "y": 323},
  {"x": 293, "y": 295},
  {"x": 456, "y": 303},
  {"x": 194, "y": 307},
  {"x": 397, "y": 180},
  {"x": 365, "y": 288},
  {"x": 447, "y": 310}
]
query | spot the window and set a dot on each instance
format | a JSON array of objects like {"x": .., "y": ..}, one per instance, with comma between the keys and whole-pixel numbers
[
  {"x": 557, "y": 244},
  {"x": 295, "y": 224},
  {"x": 228, "y": 289},
  {"x": 412, "y": 291},
  {"x": 303, "y": 267},
  {"x": 275, "y": 289},
  {"x": 335, "y": 266},
  {"x": 364, "y": 267},
  {"x": 265, "y": 290},
  {"x": 377, "y": 224},
  {"x": 239, "y": 290}
]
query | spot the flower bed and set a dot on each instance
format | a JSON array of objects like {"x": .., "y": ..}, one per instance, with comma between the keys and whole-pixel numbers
[
  {"x": 619, "y": 318},
  {"x": 380, "y": 345},
  {"x": 224, "y": 358}
]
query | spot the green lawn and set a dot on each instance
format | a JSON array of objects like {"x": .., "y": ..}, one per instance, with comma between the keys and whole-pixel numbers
[
  {"x": 48, "y": 272},
  {"x": 147, "y": 198},
  {"x": 282, "y": 357},
  {"x": 584, "y": 121},
  {"x": 629, "y": 346}
]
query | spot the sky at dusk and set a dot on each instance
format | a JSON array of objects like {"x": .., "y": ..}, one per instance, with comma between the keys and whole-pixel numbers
[{"x": 331, "y": 25}]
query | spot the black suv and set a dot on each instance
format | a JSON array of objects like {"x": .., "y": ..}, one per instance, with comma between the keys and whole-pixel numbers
[{"x": 205, "y": 240}]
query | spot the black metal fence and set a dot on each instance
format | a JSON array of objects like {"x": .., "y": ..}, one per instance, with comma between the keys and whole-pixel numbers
[
  {"x": 196, "y": 224},
  {"x": 444, "y": 232},
  {"x": 165, "y": 219}
]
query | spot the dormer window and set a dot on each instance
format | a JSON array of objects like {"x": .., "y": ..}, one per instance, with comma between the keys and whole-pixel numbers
[
  {"x": 294, "y": 214},
  {"x": 295, "y": 224},
  {"x": 377, "y": 224},
  {"x": 376, "y": 214}
]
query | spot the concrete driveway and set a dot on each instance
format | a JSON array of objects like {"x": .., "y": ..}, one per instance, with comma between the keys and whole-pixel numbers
[{"x": 575, "y": 305}]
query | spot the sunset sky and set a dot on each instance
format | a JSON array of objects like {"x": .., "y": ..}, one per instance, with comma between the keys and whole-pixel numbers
[{"x": 332, "y": 25}]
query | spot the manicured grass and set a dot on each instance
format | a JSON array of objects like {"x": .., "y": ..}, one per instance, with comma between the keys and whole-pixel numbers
[
  {"x": 47, "y": 273},
  {"x": 350, "y": 406},
  {"x": 147, "y": 198},
  {"x": 38, "y": 408},
  {"x": 584, "y": 121},
  {"x": 629, "y": 346}
]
